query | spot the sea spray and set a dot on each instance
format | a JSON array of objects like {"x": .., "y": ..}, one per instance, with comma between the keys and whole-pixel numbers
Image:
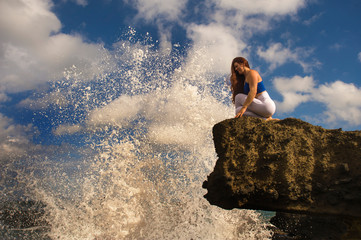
[{"x": 141, "y": 142}]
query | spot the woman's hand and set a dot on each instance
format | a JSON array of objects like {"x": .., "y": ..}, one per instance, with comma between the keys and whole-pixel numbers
[{"x": 240, "y": 113}]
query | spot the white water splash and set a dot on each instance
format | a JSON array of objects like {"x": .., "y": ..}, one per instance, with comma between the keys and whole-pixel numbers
[{"x": 146, "y": 130}]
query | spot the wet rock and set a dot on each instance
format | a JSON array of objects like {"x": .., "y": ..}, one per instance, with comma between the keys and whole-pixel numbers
[{"x": 301, "y": 226}]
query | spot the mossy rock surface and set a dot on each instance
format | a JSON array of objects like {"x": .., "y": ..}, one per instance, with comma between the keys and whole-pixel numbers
[{"x": 287, "y": 165}]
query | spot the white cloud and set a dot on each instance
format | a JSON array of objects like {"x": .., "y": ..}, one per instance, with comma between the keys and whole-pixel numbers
[
  {"x": 78, "y": 2},
  {"x": 159, "y": 9},
  {"x": 14, "y": 139},
  {"x": 31, "y": 55},
  {"x": 219, "y": 43},
  {"x": 81, "y": 2},
  {"x": 294, "y": 84},
  {"x": 227, "y": 27},
  {"x": 295, "y": 91},
  {"x": 27, "y": 22},
  {"x": 53, "y": 98},
  {"x": 313, "y": 19},
  {"x": 247, "y": 17},
  {"x": 359, "y": 56},
  {"x": 172, "y": 10},
  {"x": 120, "y": 112},
  {"x": 239, "y": 21},
  {"x": 267, "y": 7},
  {"x": 336, "y": 47},
  {"x": 160, "y": 12},
  {"x": 342, "y": 100},
  {"x": 67, "y": 129},
  {"x": 172, "y": 115},
  {"x": 3, "y": 97},
  {"x": 32, "y": 51},
  {"x": 231, "y": 25},
  {"x": 277, "y": 55}
]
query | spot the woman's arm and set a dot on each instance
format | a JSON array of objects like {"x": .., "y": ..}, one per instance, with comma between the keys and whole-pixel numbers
[{"x": 253, "y": 82}]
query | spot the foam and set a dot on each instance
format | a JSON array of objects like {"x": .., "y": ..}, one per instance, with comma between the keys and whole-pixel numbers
[{"x": 146, "y": 124}]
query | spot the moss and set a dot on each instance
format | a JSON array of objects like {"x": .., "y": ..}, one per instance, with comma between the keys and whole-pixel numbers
[{"x": 287, "y": 165}]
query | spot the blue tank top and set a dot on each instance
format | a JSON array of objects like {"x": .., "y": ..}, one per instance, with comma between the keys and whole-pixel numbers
[{"x": 260, "y": 87}]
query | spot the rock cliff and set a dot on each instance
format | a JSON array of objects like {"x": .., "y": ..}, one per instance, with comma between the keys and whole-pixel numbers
[{"x": 286, "y": 166}]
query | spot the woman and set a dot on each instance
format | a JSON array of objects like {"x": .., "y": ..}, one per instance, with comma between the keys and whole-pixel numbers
[{"x": 248, "y": 91}]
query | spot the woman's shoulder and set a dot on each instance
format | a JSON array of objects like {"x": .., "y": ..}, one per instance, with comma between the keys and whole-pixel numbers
[{"x": 253, "y": 74}]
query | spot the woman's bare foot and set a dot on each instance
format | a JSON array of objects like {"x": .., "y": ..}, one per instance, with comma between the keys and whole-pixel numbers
[{"x": 270, "y": 118}]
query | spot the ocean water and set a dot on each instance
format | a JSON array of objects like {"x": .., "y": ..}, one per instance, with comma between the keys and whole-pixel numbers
[{"x": 130, "y": 149}]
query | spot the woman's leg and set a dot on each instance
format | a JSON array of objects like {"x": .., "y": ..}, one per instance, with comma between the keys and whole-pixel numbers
[
  {"x": 249, "y": 113},
  {"x": 263, "y": 105},
  {"x": 239, "y": 100}
]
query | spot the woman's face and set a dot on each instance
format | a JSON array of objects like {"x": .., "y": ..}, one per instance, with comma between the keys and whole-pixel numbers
[{"x": 239, "y": 67}]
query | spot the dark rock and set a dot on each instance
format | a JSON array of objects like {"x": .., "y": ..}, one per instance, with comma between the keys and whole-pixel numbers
[
  {"x": 302, "y": 226},
  {"x": 288, "y": 166}
]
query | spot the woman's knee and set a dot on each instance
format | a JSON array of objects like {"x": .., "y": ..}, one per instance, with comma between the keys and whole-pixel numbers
[
  {"x": 270, "y": 109},
  {"x": 239, "y": 99}
]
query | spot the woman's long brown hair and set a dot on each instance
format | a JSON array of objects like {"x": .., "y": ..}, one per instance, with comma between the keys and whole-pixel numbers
[{"x": 237, "y": 80}]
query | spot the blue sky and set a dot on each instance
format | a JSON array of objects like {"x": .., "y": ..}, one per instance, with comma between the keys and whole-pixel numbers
[
  {"x": 87, "y": 100},
  {"x": 308, "y": 52}
]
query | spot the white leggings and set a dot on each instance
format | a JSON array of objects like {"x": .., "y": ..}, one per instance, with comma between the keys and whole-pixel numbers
[{"x": 262, "y": 106}]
